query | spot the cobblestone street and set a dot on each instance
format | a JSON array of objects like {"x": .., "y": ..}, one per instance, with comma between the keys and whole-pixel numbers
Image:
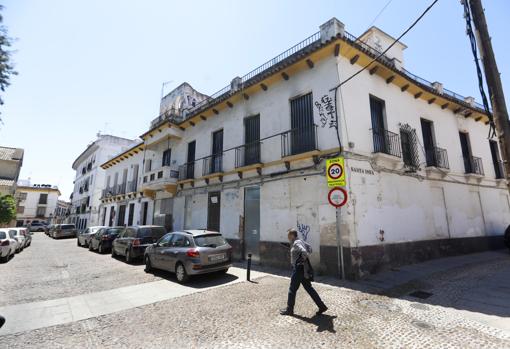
[{"x": 241, "y": 315}]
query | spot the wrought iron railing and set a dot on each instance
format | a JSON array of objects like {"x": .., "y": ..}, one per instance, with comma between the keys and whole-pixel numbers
[
  {"x": 132, "y": 186},
  {"x": 386, "y": 142},
  {"x": 299, "y": 140},
  {"x": 212, "y": 164},
  {"x": 473, "y": 164},
  {"x": 248, "y": 154},
  {"x": 187, "y": 171},
  {"x": 437, "y": 157}
]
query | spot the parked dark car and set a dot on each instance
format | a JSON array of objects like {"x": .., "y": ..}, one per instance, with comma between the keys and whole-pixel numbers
[
  {"x": 189, "y": 253},
  {"x": 102, "y": 240},
  {"x": 133, "y": 241}
]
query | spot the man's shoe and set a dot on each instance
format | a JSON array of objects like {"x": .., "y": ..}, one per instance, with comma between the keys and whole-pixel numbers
[
  {"x": 286, "y": 312},
  {"x": 321, "y": 310}
]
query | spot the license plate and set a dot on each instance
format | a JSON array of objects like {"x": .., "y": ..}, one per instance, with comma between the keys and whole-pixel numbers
[{"x": 216, "y": 257}]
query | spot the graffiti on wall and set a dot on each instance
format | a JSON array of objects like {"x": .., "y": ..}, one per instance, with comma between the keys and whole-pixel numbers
[
  {"x": 303, "y": 231},
  {"x": 326, "y": 110}
]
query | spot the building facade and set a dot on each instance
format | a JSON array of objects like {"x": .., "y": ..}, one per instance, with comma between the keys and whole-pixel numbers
[
  {"x": 35, "y": 202},
  {"x": 11, "y": 160},
  {"x": 62, "y": 212},
  {"x": 90, "y": 179},
  {"x": 423, "y": 181}
]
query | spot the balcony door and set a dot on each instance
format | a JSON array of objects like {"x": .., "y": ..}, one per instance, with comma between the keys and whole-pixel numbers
[
  {"x": 302, "y": 137},
  {"x": 251, "y": 140},
  {"x": 428, "y": 142},
  {"x": 190, "y": 162},
  {"x": 466, "y": 151},
  {"x": 217, "y": 151},
  {"x": 378, "y": 125}
]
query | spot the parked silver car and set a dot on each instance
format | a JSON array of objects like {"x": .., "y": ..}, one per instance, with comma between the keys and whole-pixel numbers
[
  {"x": 63, "y": 231},
  {"x": 189, "y": 252},
  {"x": 85, "y": 236}
]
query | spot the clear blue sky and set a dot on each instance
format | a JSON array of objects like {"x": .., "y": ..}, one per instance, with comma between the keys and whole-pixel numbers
[{"x": 98, "y": 65}]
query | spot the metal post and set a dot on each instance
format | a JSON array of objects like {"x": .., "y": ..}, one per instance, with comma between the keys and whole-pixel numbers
[
  {"x": 339, "y": 246},
  {"x": 248, "y": 268}
]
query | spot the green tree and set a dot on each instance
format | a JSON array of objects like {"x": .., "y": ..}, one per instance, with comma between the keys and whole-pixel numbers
[
  {"x": 6, "y": 65},
  {"x": 7, "y": 209}
]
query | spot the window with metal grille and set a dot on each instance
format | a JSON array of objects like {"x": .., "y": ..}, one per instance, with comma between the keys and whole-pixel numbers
[
  {"x": 41, "y": 211},
  {"x": 43, "y": 199},
  {"x": 410, "y": 154}
]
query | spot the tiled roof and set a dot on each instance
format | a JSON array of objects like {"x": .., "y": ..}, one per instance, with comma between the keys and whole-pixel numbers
[{"x": 7, "y": 153}]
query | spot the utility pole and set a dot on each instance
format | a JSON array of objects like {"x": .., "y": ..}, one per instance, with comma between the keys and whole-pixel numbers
[{"x": 496, "y": 94}]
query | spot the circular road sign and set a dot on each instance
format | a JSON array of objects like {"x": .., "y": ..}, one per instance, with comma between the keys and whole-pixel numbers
[
  {"x": 335, "y": 171},
  {"x": 337, "y": 197}
]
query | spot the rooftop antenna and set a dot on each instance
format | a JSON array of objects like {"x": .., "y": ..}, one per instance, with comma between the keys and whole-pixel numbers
[{"x": 163, "y": 87}]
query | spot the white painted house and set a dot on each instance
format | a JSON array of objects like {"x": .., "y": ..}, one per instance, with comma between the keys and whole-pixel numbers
[
  {"x": 90, "y": 178},
  {"x": 422, "y": 178},
  {"x": 35, "y": 202}
]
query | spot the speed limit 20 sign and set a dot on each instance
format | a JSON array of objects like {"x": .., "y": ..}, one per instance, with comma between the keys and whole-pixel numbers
[{"x": 335, "y": 172}]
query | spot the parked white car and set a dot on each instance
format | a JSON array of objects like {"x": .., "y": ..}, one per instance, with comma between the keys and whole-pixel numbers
[
  {"x": 18, "y": 235},
  {"x": 8, "y": 245},
  {"x": 23, "y": 236}
]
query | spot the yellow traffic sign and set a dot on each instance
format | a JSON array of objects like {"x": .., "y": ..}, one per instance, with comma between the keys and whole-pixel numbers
[{"x": 335, "y": 172}]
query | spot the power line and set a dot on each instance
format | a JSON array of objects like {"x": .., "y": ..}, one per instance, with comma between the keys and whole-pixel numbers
[{"x": 388, "y": 48}]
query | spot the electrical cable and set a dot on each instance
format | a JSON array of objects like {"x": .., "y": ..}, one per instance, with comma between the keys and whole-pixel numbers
[
  {"x": 388, "y": 48},
  {"x": 472, "y": 41}
]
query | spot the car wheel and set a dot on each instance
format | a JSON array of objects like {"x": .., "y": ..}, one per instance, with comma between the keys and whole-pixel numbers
[
  {"x": 5, "y": 259},
  {"x": 78, "y": 242},
  {"x": 129, "y": 259},
  {"x": 507, "y": 237},
  {"x": 100, "y": 249},
  {"x": 148, "y": 265},
  {"x": 224, "y": 271},
  {"x": 90, "y": 247},
  {"x": 181, "y": 274}
]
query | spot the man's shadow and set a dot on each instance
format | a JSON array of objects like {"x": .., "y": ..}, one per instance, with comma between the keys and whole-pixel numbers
[{"x": 323, "y": 322}]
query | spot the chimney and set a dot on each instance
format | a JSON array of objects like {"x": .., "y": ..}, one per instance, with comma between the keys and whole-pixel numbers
[
  {"x": 438, "y": 86},
  {"x": 470, "y": 100},
  {"x": 331, "y": 28},
  {"x": 236, "y": 84}
]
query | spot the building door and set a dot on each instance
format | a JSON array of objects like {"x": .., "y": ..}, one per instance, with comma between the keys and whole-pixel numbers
[
  {"x": 251, "y": 140},
  {"x": 428, "y": 142},
  {"x": 252, "y": 222},
  {"x": 131, "y": 214},
  {"x": 466, "y": 151},
  {"x": 122, "y": 215},
  {"x": 188, "y": 206},
  {"x": 190, "y": 166},
  {"x": 112, "y": 216},
  {"x": 301, "y": 124},
  {"x": 145, "y": 209},
  {"x": 217, "y": 152},
  {"x": 378, "y": 126},
  {"x": 213, "y": 211}
]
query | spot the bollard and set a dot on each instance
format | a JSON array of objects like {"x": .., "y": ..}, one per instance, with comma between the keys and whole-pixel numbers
[{"x": 248, "y": 267}]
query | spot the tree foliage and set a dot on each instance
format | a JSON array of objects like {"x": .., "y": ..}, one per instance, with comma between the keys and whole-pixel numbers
[
  {"x": 6, "y": 65},
  {"x": 7, "y": 209}
]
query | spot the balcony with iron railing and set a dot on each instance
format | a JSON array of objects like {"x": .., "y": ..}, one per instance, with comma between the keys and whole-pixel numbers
[
  {"x": 437, "y": 157},
  {"x": 295, "y": 144},
  {"x": 386, "y": 142},
  {"x": 473, "y": 165},
  {"x": 157, "y": 179},
  {"x": 132, "y": 186},
  {"x": 187, "y": 171}
]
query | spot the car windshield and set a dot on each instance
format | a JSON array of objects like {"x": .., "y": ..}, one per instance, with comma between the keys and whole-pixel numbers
[
  {"x": 2, "y": 235},
  {"x": 67, "y": 226},
  {"x": 114, "y": 231},
  {"x": 154, "y": 232},
  {"x": 212, "y": 240}
]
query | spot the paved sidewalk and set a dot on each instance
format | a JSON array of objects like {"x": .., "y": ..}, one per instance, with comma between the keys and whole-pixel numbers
[{"x": 31, "y": 316}]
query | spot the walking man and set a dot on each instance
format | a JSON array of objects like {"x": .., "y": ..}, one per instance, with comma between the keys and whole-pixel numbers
[{"x": 302, "y": 274}]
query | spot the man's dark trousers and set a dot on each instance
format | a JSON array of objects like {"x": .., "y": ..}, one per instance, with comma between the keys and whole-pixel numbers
[{"x": 298, "y": 278}]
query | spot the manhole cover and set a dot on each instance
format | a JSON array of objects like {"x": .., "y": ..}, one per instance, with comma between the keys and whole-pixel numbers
[
  {"x": 419, "y": 306},
  {"x": 423, "y": 325},
  {"x": 420, "y": 294},
  {"x": 378, "y": 305}
]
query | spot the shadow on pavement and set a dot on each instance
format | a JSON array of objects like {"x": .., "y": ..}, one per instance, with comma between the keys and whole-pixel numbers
[
  {"x": 199, "y": 281},
  {"x": 478, "y": 282},
  {"x": 323, "y": 322}
]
